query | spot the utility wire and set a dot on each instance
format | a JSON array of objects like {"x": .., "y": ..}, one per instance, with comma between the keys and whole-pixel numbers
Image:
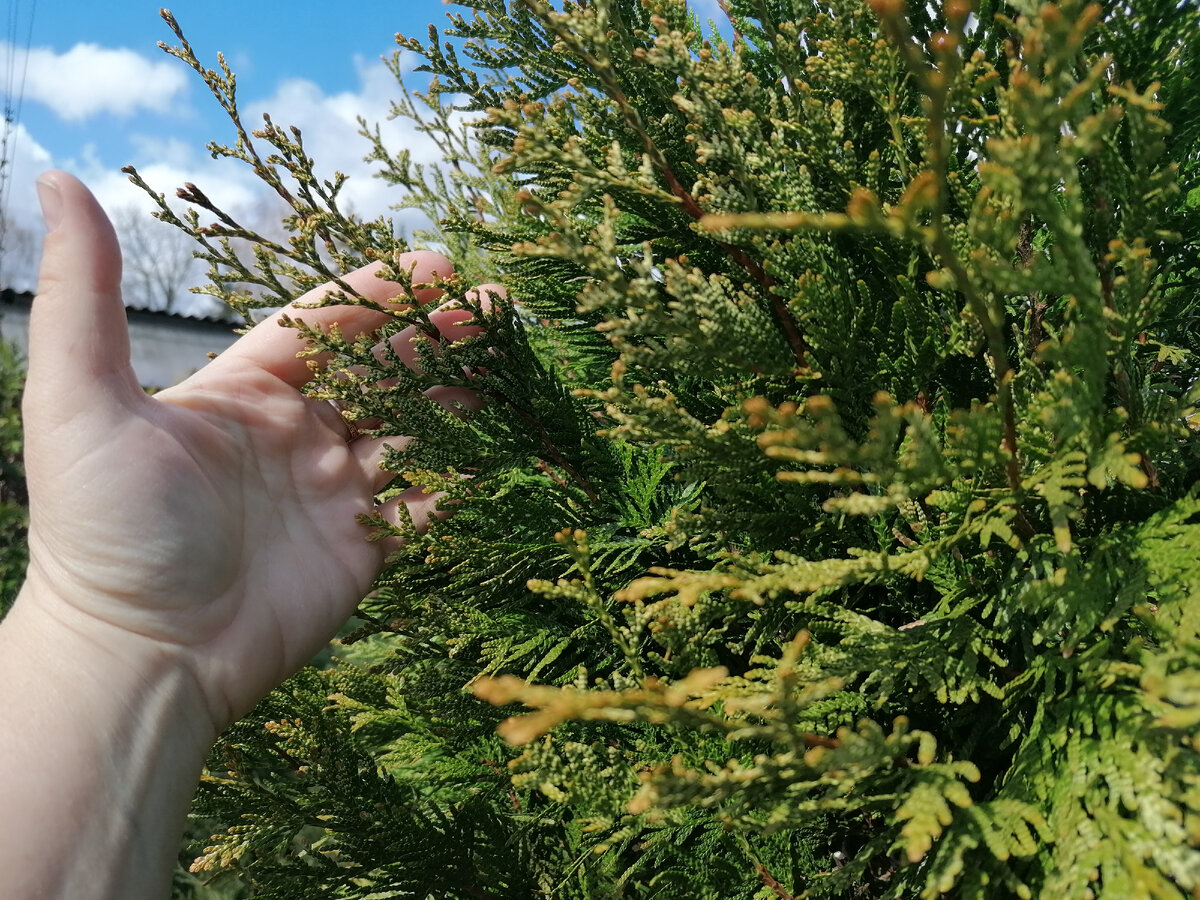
[{"x": 12, "y": 107}]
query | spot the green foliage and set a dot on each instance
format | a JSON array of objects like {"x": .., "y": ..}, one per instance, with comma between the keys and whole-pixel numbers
[
  {"x": 830, "y": 528},
  {"x": 14, "y": 514}
]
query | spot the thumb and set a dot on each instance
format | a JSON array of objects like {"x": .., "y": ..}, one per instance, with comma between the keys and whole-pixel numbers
[{"x": 78, "y": 338}]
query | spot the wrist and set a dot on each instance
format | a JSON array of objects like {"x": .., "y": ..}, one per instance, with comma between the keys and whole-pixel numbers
[
  {"x": 63, "y": 644},
  {"x": 107, "y": 736}
]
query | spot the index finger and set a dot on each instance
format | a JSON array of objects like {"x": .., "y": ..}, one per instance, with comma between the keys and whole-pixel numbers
[{"x": 276, "y": 349}]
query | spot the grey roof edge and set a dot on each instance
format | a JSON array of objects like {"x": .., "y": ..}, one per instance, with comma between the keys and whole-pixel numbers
[{"x": 24, "y": 299}]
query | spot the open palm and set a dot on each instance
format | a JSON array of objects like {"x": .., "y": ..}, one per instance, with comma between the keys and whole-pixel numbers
[{"x": 216, "y": 520}]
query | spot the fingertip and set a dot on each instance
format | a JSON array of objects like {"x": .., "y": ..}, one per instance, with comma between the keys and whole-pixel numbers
[
  {"x": 77, "y": 327},
  {"x": 449, "y": 320},
  {"x": 364, "y": 281},
  {"x": 272, "y": 350},
  {"x": 50, "y": 198},
  {"x": 425, "y": 267},
  {"x": 457, "y": 401},
  {"x": 372, "y": 453},
  {"x": 78, "y": 230},
  {"x": 488, "y": 295},
  {"x": 492, "y": 289},
  {"x": 423, "y": 508}
]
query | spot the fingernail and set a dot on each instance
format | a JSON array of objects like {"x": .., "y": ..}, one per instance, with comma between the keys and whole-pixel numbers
[{"x": 51, "y": 200}]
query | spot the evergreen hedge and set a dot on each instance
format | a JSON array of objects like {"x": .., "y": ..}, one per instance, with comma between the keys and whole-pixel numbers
[
  {"x": 831, "y": 527},
  {"x": 14, "y": 513}
]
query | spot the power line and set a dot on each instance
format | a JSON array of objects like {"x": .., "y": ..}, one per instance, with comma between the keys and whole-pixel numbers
[{"x": 12, "y": 106}]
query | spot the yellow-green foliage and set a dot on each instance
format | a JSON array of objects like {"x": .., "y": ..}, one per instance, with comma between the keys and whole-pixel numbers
[{"x": 830, "y": 529}]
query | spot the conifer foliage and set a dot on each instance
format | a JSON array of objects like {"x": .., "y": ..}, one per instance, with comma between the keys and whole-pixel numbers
[
  {"x": 14, "y": 514},
  {"x": 830, "y": 527}
]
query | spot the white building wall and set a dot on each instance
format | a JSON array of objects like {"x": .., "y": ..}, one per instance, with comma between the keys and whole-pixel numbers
[{"x": 165, "y": 348}]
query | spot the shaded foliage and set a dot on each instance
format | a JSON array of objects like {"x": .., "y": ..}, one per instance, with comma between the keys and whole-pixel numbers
[{"x": 14, "y": 502}]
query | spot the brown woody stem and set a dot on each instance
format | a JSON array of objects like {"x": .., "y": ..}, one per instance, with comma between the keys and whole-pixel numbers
[{"x": 633, "y": 119}]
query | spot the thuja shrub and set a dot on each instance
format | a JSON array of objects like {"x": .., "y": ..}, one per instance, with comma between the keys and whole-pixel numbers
[
  {"x": 830, "y": 528},
  {"x": 14, "y": 502}
]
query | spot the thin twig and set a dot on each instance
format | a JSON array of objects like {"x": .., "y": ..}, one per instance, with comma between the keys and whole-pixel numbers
[{"x": 935, "y": 85}]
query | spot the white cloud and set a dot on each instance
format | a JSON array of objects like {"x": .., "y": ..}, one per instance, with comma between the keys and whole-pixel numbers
[
  {"x": 90, "y": 80},
  {"x": 228, "y": 187},
  {"x": 22, "y": 214},
  {"x": 166, "y": 164},
  {"x": 329, "y": 124},
  {"x": 330, "y": 128},
  {"x": 28, "y": 159},
  {"x": 166, "y": 149}
]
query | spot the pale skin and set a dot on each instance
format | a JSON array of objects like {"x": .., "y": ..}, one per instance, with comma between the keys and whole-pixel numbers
[{"x": 188, "y": 552}]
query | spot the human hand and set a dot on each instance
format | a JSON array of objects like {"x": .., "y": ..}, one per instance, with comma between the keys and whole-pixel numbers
[{"x": 216, "y": 521}]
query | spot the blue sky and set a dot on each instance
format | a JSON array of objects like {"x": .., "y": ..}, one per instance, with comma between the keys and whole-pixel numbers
[
  {"x": 99, "y": 94},
  {"x": 264, "y": 48}
]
